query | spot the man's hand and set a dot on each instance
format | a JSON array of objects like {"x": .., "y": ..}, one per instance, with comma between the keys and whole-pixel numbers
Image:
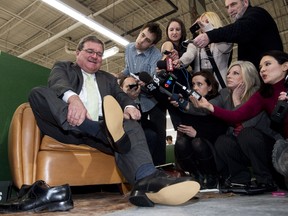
[
  {"x": 76, "y": 111},
  {"x": 202, "y": 40},
  {"x": 132, "y": 113},
  {"x": 134, "y": 92}
]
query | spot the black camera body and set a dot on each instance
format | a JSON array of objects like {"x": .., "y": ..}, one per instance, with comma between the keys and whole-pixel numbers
[
  {"x": 281, "y": 107},
  {"x": 280, "y": 111}
]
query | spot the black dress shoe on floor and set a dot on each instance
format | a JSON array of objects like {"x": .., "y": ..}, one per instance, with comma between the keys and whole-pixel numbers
[
  {"x": 113, "y": 118},
  {"x": 164, "y": 189},
  {"x": 40, "y": 197},
  {"x": 249, "y": 188},
  {"x": 268, "y": 187}
]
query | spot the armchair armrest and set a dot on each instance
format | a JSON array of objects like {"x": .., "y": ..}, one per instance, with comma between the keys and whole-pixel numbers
[{"x": 24, "y": 140}]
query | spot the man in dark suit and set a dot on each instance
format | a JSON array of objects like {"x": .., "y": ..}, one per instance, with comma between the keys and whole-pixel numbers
[{"x": 62, "y": 112}]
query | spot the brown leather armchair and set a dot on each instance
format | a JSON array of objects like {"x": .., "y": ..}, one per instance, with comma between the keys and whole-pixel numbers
[{"x": 34, "y": 157}]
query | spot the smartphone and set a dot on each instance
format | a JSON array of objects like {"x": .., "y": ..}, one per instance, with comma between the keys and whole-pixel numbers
[
  {"x": 194, "y": 28},
  {"x": 133, "y": 85},
  {"x": 166, "y": 52}
]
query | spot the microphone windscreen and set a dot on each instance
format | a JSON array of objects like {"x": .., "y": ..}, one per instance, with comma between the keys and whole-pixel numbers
[
  {"x": 161, "y": 64},
  {"x": 145, "y": 77}
]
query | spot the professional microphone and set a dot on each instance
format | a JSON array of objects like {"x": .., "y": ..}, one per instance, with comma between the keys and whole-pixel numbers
[
  {"x": 152, "y": 86},
  {"x": 171, "y": 79},
  {"x": 161, "y": 64},
  {"x": 169, "y": 62}
]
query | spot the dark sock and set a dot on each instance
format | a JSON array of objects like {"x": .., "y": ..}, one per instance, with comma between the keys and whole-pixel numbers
[
  {"x": 90, "y": 127},
  {"x": 145, "y": 170}
]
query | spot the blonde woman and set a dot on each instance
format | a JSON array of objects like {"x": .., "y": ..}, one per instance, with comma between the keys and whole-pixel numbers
[{"x": 247, "y": 143}]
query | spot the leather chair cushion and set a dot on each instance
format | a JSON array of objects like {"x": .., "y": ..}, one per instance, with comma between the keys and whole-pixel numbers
[{"x": 50, "y": 144}]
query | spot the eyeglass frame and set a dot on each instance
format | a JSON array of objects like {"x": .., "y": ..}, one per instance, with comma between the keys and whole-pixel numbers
[{"x": 92, "y": 52}]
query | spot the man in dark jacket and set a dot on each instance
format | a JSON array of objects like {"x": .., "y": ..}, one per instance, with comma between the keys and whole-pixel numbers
[
  {"x": 253, "y": 29},
  {"x": 62, "y": 111}
]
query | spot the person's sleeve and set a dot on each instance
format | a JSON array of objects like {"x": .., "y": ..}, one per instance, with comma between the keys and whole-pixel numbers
[
  {"x": 245, "y": 112},
  {"x": 126, "y": 71},
  {"x": 241, "y": 31},
  {"x": 153, "y": 64},
  {"x": 67, "y": 95},
  {"x": 189, "y": 55}
]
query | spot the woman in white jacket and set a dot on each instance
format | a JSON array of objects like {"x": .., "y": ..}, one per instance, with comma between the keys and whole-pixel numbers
[{"x": 221, "y": 51}]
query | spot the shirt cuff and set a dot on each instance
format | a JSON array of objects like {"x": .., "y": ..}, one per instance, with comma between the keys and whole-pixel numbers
[{"x": 67, "y": 95}]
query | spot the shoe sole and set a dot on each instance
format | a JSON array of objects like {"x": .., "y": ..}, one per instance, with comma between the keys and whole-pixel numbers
[
  {"x": 113, "y": 115},
  {"x": 52, "y": 207},
  {"x": 175, "y": 194}
]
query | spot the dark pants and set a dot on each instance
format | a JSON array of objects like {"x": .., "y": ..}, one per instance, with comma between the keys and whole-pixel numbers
[
  {"x": 195, "y": 155},
  {"x": 157, "y": 117},
  {"x": 51, "y": 116},
  {"x": 250, "y": 148}
]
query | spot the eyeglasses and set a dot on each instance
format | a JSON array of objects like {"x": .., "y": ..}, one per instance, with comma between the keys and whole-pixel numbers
[{"x": 92, "y": 52}]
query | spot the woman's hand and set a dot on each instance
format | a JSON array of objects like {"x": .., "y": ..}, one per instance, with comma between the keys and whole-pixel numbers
[
  {"x": 188, "y": 130},
  {"x": 283, "y": 96},
  {"x": 202, "y": 103},
  {"x": 237, "y": 94}
]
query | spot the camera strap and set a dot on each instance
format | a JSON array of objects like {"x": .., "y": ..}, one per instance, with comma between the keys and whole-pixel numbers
[{"x": 215, "y": 68}]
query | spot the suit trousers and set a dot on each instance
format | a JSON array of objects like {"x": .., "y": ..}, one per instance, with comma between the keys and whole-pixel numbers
[
  {"x": 51, "y": 117},
  {"x": 236, "y": 154}
]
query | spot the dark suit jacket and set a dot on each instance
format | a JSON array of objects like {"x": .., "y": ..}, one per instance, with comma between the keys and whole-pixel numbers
[{"x": 67, "y": 75}]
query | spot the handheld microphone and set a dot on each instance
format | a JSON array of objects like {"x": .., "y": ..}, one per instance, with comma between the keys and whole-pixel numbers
[
  {"x": 171, "y": 79},
  {"x": 152, "y": 86},
  {"x": 162, "y": 65},
  {"x": 169, "y": 62}
]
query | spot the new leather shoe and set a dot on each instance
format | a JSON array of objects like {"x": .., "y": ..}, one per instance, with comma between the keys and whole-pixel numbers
[
  {"x": 164, "y": 189},
  {"x": 40, "y": 197},
  {"x": 113, "y": 118}
]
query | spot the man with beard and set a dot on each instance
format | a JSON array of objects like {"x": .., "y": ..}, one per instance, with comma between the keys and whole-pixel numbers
[{"x": 252, "y": 28}]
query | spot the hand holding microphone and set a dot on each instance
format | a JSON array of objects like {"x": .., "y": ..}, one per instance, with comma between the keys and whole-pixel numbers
[{"x": 153, "y": 87}]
